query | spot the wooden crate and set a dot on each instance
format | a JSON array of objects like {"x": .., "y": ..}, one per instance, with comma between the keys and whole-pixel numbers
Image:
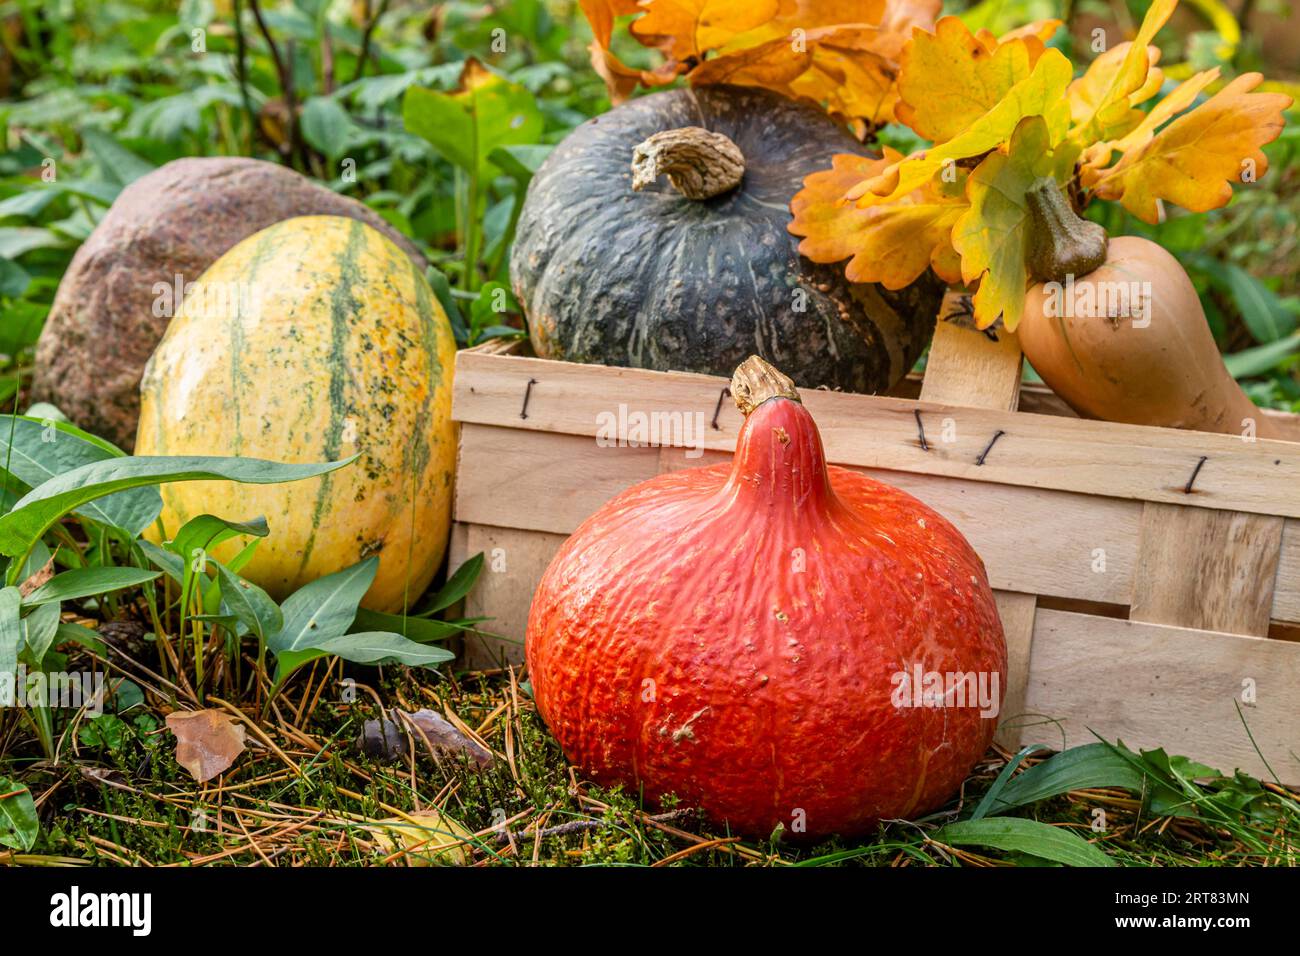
[{"x": 1148, "y": 578}]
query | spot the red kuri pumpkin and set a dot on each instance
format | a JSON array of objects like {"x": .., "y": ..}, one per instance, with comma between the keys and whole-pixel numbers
[{"x": 774, "y": 640}]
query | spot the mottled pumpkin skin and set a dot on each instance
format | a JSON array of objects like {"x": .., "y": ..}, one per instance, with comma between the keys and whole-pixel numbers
[
  {"x": 340, "y": 348},
  {"x": 730, "y": 634},
  {"x": 652, "y": 279}
]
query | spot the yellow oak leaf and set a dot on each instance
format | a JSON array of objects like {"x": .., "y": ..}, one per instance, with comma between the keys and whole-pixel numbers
[
  {"x": 1100, "y": 102},
  {"x": 948, "y": 79},
  {"x": 891, "y": 245},
  {"x": 1194, "y": 160},
  {"x": 1087, "y": 92},
  {"x": 1041, "y": 93},
  {"x": 1098, "y": 155},
  {"x": 1034, "y": 35},
  {"x": 771, "y": 64},
  {"x": 602, "y": 13},
  {"x": 991, "y": 234}
]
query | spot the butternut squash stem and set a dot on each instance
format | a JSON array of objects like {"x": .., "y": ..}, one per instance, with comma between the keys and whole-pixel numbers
[
  {"x": 700, "y": 164},
  {"x": 1060, "y": 243}
]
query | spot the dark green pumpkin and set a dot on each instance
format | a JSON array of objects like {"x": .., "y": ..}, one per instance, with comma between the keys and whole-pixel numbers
[{"x": 653, "y": 279}]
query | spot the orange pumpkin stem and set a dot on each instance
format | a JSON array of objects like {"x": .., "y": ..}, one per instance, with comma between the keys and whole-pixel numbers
[{"x": 755, "y": 381}]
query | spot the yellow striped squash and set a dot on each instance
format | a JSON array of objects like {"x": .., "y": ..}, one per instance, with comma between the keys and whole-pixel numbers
[{"x": 313, "y": 340}]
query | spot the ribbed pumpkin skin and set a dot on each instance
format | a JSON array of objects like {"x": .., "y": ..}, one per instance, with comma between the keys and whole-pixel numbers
[
  {"x": 772, "y": 686},
  {"x": 344, "y": 349},
  {"x": 654, "y": 280}
]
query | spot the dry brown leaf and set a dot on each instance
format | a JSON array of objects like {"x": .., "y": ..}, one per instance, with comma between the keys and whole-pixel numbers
[
  {"x": 37, "y": 579},
  {"x": 207, "y": 741}
]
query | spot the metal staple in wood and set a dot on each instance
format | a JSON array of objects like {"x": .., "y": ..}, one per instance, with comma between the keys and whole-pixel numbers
[{"x": 528, "y": 391}]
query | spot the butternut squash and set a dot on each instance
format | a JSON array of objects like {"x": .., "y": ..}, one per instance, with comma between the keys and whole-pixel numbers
[{"x": 1126, "y": 340}]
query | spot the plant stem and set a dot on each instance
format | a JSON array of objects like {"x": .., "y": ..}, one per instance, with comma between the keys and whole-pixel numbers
[
  {"x": 371, "y": 23},
  {"x": 241, "y": 71}
]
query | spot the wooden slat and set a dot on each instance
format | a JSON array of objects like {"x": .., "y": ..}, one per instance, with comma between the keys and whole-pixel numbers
[
  {"x": 1286, "y": 593},
  {"x": 968, "y": 367},
  {"x": 514, "y": 562},
  {"x": 1206, "y": 569},
  {"x": 1018, "y": 612},
  {"x": 1032, "y": 541},
  {"x": 1158, "y": 686},
  {"x": 517, "y": 479},
  {"x": 1043, "y": 451}
]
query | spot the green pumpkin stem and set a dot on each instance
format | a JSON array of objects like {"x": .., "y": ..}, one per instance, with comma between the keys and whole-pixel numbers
[
  {"x": 755, "y": 381},
  {"x": 1060, "y": 243},
  {"x": 699, "y": 163}
]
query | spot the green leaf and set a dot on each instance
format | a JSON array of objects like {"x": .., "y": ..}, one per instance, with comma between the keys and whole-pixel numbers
[
  {"x": 36, "y": 512},
  {"x": 118, "y": 164},
  {"x": 457, "y": 586},
  {"x": 251, "y": 605},
  {"x": 494, "y": 300},
  {"x": 418, "y": 629},
  {"x": 1004, "y": 777},
  {"x": 44, "y": 449},
  {"x": 21, "y": 326},
  {"x": 80, "y": 634},
  {"x": 19, "y": 823},
  {"x": 39, "y": 630},
  {"x": 323, "y": 609},
  {"x": 87, "y": 582},
  {"x": 1262, "y": 311},
  {"x": 17, "y": 240},
  {"x": 11, "y": 638},
  {"x": 465, "y": 126},
  {"x": 205, "y": 532},
  {"x": 368, "y": 647},
  {"x": 14, "y": 280},
  {"x": 1079, "y": 768},
  {"x": 326, "y": 126},
  {"x": 442, "y": 289},
  {"x": 1262, "y": 358},
  {"x": 1024, "y": 836},
  {"x": 520, "y": 163},
  {"x": 316, "y": 620},
  {"x": 170, "y": 564}
]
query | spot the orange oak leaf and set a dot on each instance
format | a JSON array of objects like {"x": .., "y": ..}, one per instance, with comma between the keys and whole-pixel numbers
[
  {"x": 686, "y": 29},
  {"x": 839, "y": 53},
  {"x": 602, "y": 13},
  {"x": 891, "y": 245},
  {"x": 1196, "y": 158},
  {"x": 620, "y": 80}
]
